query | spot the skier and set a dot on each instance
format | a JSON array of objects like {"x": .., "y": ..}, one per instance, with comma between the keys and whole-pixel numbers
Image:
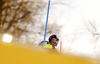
[{"x": 53, "y": 41}]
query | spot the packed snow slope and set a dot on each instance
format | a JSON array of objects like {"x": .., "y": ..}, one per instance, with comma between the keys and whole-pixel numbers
[{"x": 14, "y": 54}]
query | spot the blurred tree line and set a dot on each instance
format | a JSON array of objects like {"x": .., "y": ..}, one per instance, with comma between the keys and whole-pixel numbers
[
  {"x": 20, "y": 17},
  {"x": 15, "y": 12}
]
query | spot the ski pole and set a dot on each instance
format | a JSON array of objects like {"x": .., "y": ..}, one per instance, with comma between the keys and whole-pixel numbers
[
  {"x": 60, "y": 46},
  {"x": 46, "y": 22}
]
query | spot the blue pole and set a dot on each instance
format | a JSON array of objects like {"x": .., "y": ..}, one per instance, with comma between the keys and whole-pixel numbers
[{"x": 46, "y": 22}]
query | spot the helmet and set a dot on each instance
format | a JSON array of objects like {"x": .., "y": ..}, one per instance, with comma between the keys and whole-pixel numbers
[{"x": 53, "y": 36}]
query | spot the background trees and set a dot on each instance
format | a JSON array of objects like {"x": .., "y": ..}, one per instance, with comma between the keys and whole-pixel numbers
[
  {"x": 23, "y": 18},
  {"x": 13, "y": 13}
]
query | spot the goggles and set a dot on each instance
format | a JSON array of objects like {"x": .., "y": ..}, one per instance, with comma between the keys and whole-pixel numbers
[{"x": 54, "y": 40}]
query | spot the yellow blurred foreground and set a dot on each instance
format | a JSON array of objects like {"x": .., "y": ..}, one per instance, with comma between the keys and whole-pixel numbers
[{"x": 11, "y": 54}]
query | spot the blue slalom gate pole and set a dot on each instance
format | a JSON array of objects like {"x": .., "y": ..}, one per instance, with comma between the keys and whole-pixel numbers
[{"x": 46, "y": 22}]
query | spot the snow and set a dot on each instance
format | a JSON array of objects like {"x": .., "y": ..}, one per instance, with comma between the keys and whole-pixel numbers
[{"x": 77, "y": 32}]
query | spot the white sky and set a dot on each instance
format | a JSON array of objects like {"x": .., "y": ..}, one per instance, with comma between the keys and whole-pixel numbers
[{"x": 75, "y": 19}]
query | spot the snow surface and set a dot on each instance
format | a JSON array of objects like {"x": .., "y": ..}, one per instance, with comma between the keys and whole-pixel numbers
[{"x": 81, "y": 22}]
